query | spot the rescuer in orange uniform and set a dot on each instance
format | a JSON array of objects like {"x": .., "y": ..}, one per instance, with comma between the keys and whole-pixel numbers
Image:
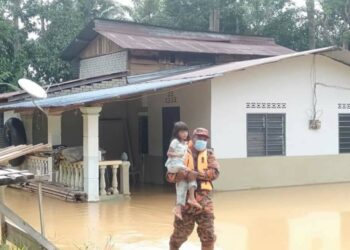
[{"x": 203, "y": 167}]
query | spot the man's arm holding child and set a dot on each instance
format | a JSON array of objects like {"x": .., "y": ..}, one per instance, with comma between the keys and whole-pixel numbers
[{"x": 209, "y": 174}]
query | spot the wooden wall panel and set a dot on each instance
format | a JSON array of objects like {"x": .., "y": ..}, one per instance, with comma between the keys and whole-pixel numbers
[{"x": 99, "y": 46}]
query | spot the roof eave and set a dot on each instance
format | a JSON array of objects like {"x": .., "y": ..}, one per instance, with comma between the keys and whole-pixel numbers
[{"x": 84, "y": 37}]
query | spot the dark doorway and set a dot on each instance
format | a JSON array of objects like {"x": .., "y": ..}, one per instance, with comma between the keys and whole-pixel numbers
[
  {"x": 170, "y": 116},
  {"x": 143, "y": 134}
]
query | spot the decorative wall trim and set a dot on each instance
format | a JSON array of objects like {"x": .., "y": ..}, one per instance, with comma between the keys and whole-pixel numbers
[
  {"x": 266, "y": 105},
  {"x": 170, "y": 98},
  {"x": 343, "y": 105}
]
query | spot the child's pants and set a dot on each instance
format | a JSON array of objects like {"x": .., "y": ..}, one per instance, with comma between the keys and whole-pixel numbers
[
  {"x": 181, "y": 191},
  {"x": 182, "y": 186}
]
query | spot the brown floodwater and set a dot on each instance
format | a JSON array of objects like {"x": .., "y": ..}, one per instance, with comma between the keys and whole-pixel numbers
[{"x": 297, "y": 218}]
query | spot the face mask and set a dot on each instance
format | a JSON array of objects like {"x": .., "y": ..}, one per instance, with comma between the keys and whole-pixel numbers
[{"x": 200, "y": 145}]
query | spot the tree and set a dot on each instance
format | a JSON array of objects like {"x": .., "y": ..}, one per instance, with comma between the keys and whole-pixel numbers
[
  {"x": 13, "y": 47},
  {"x": 64, "y": 19},
  {"x": 147, "y": 11},
  {"x": 91, "y": 9},
  {"x": 280, "y": 19},
  {"x": 335, "y": 18},
  {"x": 310, "y": 7}
]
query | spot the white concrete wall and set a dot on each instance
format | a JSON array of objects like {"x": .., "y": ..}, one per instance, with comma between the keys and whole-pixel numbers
[
  {"x": 284, "y": 82},
  {"x": 194, "y": 102},
  {"x": 311, "y": 155}
]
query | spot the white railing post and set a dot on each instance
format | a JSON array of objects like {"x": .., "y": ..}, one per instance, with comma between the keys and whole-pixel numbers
[
  {"x": 114, "y": 179},
  {"x": 50, "y": 168},
  {"x": 72, "y": 176},
  {"x": 81, "y": 177},
  {"x": 76, "y": 176},
  {"x": 102, "y": 180},
  {"x": 68, "y": 174},
  {"x": 60, "y": 173},
  {"x": 124, "y": 178}
]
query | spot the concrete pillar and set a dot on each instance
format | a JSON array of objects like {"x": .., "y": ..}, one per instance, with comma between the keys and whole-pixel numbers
[
  {"x": 124, "y": 178},
  {"x": 27, "y": 119},
  {"x": 54, "y": 129},
  {"x": 91, "y": 151}
]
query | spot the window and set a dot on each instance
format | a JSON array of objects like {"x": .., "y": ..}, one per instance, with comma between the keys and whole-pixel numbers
[
  {"x": 266, "y": 134},
  {"x": 344, "y": 133}
]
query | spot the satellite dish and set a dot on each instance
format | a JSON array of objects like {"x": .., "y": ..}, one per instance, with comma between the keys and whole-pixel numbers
[{"x": 32, "y": 88}]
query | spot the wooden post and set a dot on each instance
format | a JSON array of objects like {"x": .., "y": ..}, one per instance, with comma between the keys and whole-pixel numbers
[
  {"x": 18, "y": 221},
  {"x": 2, "y": 217},
  {"x": 41, "y": 210}
]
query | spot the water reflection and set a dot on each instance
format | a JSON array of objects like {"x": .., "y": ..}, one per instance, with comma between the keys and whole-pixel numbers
[
  {"x": 315, "y": 231},
  {"x": 298, "y": 218}
]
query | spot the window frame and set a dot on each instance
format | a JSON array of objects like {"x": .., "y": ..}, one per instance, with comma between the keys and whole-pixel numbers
[
  {"x": 284, "y": 124},
  {"x": 339, "y": 147}
]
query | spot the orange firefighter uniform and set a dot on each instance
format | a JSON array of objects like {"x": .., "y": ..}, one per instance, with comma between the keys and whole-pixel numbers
[{"x": 208, "y": 170}]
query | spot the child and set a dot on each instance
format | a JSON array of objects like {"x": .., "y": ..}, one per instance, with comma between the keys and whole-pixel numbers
[{"x": 175, "y": 163}]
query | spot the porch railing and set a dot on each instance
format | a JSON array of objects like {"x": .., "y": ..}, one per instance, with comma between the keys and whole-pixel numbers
[
  {"x": 40, "y": 166},
  {"x": 72, "y": 175}
]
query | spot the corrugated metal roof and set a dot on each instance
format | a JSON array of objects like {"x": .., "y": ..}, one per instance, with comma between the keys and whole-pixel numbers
[
  {"x": 128, "y": 41},
  {"x": 129, "y": 35},
  {"x": 60, "y": 87},
  {"x": 172, "y": 81},
  {"x": 105, "y": 94},
  {"x": 132, "y": 79},
  {"x": 332, "y": 52},
  {"x": 141, "y": 29},
  {"x": 5, "y": 96}
]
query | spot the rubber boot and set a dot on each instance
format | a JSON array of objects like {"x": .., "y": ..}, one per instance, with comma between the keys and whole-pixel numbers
[
  {"x": 208, "y": 246},
  {"x": 172, "y": 247}
]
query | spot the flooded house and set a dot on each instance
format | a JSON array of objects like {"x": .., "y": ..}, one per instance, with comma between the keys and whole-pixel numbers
[{"x": 277, "y": 117}]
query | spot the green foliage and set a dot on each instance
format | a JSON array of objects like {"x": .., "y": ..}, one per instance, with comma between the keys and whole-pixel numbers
[
  {"x": 12, "y": 65},
  {"x": 276, "y": 18},
  {"x": 55, "y": 23}
]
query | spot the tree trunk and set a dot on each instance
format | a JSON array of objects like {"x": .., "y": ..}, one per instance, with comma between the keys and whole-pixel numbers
[
  {"x": 237, "y": 17},
  {"x": 16, "y": 4},
  {"x": 347, "y": 10},
  {"x": 214, "y": 20},
  {"x": 214, "y": 16},
  {"x": 310, "y": 6},
  {"x": 42, "y": 18}
]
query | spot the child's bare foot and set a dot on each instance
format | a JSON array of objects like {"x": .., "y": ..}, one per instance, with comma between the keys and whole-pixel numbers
[
  {"x": 177, "y": 212},
  {"x": 194, "y": 203}
]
